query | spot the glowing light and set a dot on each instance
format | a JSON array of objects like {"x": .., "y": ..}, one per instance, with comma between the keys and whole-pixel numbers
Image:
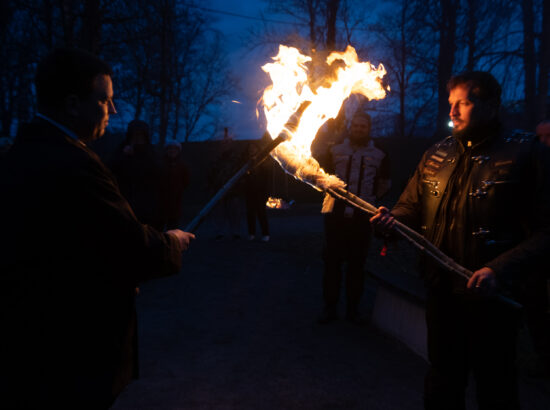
[
  {"x": 450, "y": 124},
  {"x": 274, "y": 202},
  {"x": 278, "y": 203}
]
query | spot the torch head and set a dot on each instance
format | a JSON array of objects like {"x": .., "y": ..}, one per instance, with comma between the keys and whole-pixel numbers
[{"x": 292, "y": 124}]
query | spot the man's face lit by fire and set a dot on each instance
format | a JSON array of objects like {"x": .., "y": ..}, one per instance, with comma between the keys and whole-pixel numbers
[
  {"x": 359, "y": 132},
  {"x": 94, "y": 111},
  {"x": 461, "y": 107},
  {"x": 468, "y": 112}
]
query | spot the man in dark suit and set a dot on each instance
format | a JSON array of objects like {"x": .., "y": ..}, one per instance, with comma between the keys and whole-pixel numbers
[{"x": 71, "y": 249}]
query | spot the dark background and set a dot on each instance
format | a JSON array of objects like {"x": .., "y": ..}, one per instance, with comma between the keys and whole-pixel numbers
[{"x": 191, "y": 69}]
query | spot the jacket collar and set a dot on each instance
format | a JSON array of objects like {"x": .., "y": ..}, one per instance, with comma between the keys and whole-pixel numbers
[
  {"x": 482, "y": 137},
  {"x": 59, "y": 126}
]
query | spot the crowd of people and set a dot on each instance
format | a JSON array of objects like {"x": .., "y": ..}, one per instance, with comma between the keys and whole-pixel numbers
[{"x": 78, "y": 236}]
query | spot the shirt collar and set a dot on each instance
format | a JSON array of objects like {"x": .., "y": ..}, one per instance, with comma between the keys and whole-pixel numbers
[{"x": 59, "y": 126}]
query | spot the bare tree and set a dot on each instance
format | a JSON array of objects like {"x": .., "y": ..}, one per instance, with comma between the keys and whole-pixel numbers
[
  {"x": 446, "y": 26},
  {"x": 332, "y": 13},
  {"x": 156, "y": 48},
  {"x": 529, "y": 60},
  {"x": 329, "y": 23},
  {"x": 408, "y": 61},
  {"x": 90, "y": 34}
]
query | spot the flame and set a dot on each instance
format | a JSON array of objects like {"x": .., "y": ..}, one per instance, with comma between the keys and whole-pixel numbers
[
  {"x": 275, "y": 203},
  {"x": 278, "y": 203},
  {"x": 291, "y": 86}
]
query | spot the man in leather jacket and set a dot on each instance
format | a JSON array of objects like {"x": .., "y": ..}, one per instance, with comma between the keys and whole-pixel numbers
[{"x": 481, "y": 196}]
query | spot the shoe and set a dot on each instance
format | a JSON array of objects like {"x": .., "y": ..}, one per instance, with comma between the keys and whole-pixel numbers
[
  {"x": 265, "y": 238},
  {"x": 251, "y": 237},
  {"x": 328, "y": 316}
]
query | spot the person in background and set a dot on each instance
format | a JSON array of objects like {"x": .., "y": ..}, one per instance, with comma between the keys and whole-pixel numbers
[
  {"x": 256, "y": 194},
  {"x": 543, "y": 132},
  {"x": 227, "y": 214},
  {"x": 175, "y": 178},
  {"x": 71, "y": 249},
  {"x": 365, "y": 170},
  {"x": 138, "y": 172}
]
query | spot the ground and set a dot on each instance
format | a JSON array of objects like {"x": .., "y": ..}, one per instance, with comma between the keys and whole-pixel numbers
[{"x": 236, "y": 329}]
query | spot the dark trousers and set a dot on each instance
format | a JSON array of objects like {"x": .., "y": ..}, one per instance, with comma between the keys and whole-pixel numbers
[
  {"x": 470, "y": 334},
  {"x": 346, "y": 243},
  {"x": 535, "y": 302},
  {"x": 255, "y": 207}
]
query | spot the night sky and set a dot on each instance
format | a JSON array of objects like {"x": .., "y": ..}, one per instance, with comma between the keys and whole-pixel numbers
[{"x": 246, "y": 63}]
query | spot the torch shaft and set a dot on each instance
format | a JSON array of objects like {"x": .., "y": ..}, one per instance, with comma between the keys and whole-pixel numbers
[
  {"x": 256, "y": 160},
  {"x": 250, "y": 164},
  {"x": 415, "y": 239}
]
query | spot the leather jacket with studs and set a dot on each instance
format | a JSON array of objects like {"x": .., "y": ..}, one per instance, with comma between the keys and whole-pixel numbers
[{"x": 484, "y": 204}]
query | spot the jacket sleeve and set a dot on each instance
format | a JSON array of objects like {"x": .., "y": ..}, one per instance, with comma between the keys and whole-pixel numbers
[
  {"x": 116, "y": 239},
  {"x": 533, "y": 250},
  {"x": 408, "y": 207}
]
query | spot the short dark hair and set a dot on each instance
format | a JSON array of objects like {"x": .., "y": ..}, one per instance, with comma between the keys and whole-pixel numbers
[
  {"x": 482, "y": 85},
  {"x": 136, "y": 126},
  {"x": 67, "y": 71}
]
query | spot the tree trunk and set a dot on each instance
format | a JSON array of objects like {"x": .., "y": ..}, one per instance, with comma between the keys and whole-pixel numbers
[
  {"x": 529, "y": 62},
  {"x": 139, "y": 100},
  {"x": 67, "y": 21},
  {"x": 165, "y": 49},
  {"x": 447, "y": 47},
  {"x": 403, "y": 74},
  {"x": 544, "y": 63},
  {"x": 312, "y": 24},
  {"x": 471, "y": 33},
  {"x": 47, "y": 12},
  {"x": 332, "y": 12},
  {"x": 91, "y": 27}
]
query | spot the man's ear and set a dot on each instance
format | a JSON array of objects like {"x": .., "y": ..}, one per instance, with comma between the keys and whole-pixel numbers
[{"x": 72, "y": 105}]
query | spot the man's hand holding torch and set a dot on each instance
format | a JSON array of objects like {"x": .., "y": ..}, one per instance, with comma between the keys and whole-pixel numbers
[
  {"x": 482, "y": 280},
  {"x": 184, "y": 238},
  {"x": 383, "y": 221}
]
